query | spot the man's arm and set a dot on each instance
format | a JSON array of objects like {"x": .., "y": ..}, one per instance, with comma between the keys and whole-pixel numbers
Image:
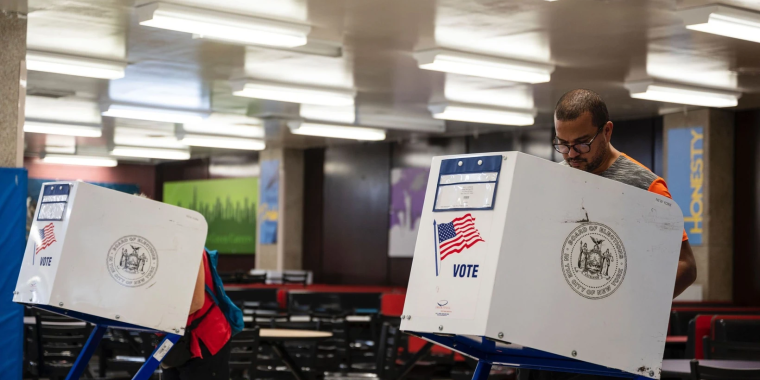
[
  {"x": 199, "y": 293},
  {"x": 687, "y": 269}
]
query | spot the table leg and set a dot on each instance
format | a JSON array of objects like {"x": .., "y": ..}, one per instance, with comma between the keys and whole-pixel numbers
[
  {"x": 83, "y": 360},
  {"x": 413, "y": 361},
  {"x": 150, "y": 365},
  {"x": 280, "y": 350},
  {"x": 481, "y": 371}
]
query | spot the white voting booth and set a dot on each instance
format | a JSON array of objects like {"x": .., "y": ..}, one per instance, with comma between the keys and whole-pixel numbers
[
  {"x": 520, "y": 261},
  {"x": 113, "y": 259}
]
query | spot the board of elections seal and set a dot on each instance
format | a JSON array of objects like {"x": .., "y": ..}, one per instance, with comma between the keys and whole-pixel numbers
[
  {"x": 132, "y": 261},
  {"x": 593, "y": 260}
]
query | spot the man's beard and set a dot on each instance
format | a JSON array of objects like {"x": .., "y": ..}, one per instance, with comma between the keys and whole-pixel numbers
[{"x": 594, "y": 163}]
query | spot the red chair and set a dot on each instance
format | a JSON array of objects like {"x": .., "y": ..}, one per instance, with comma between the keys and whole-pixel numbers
[
  {"x": 699, "y": 328},
  {"x": 734, "y": 337},
  {"x": 681, "y": 316}
]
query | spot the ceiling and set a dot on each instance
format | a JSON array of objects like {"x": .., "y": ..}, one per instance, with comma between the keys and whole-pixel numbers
[{"x": 594, "y": 44}]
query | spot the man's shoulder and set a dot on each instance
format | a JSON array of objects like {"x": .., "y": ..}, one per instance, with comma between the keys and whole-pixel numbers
[{"x": 631, "y": 172}]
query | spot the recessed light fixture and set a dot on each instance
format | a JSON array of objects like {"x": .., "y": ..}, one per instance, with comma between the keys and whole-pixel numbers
[
  {"x": 481, "y": 114},
  {"x": 164, "y": 154},
  {"x": 60, "y": 144},
  {"x": 67, "y": 110},
  {"x": 147, "y": 137},
  {"x": 223, "y": 142},
  {"x": 64, "y": 159},
  {"x": 340, "y": 114},
  {"x": 682, "y": 94},
  {"x": 457, "y": 62},
  {"x": 33, "y": 126},
  {"x": 207, "y": 23},
  {"x": 724, "y": 21},
  {"x": 292, "y": 93},
  {"x": 153, "y": 114},
  {"x": 412, "y": 120},
  {"x": 228, "y": 125},
  {"x": 74, "y": 65},
  {"x": 336, "y": 131}
]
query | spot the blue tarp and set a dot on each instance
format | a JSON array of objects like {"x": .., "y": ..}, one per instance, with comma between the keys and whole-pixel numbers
[{"x": 13, "y": 189}]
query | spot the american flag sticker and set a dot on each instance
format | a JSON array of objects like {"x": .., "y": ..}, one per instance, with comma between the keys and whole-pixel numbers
[
  {"x": 46, "y": 238},
  {"x": 454, "y": 237}
]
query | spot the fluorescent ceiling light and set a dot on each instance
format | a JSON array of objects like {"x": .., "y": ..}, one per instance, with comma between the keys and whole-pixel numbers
[
  {"x": 79, "y": 160},
  {"x": 74, "y": 65},
  {"x": 458, "y": 62},
  {"x": 60, "y": 144},
  {"x": 340, "y": 114},
  {"x": 164, "y": 154},
  {"x": 399, "y": 118},
  {"x": 724, "y": 21},
  {"x": 153, "y": 114},
  {"x": 682, "y": 94},
  {"x": 223, "y": 142},
  {"x": 229, "y": 125},
  {"x": 60, "y": 149},
  {"x": 33, "y": 126},
  {"x": 481, "y": 114},
  {"x": 69, "y": 110},
  {"x": 144, "y": 137},
  {"x": 336, "y": 131},
  {"x": 292, "y": 93},
  {"x": 221, "y": 25}
]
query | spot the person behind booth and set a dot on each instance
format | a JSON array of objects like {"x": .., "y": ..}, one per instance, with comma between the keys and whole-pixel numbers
[
  {"x": 583, "y": 133},
  {"x": 204, "y": 351}
]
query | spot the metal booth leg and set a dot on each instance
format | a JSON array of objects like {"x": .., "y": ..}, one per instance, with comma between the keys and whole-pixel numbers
[
  {"x": 150, "y": 365},
  {"x": 84, "y": 356},
  {"x": 481, "y": 371}
]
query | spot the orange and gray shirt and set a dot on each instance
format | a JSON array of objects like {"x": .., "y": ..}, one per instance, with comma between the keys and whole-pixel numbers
[{"x": 630, "y": 172}]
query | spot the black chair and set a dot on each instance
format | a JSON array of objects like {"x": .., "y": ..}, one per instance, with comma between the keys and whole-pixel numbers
[
  {"x": 253, "y": 298},
  {"x": 700, "y": 372},
  {"x": 304, "y": 354},
  {"x": 126, "y": 351},
  {"x": 244, "y": 353},
  {"x": 30, "y": 344},
  {"x": 264, "y": 318},
  {"x": 680, "y": 317},
  {"x": 59, "y": 340},
  {"x": 364, "y": 331},
  {"x": 301, "y": 278},
  {"x": 254, "y": 278},
  {"x": 230, "y": 277},
  {"x": 333, "y": 354},
  {"x": 386, "y": 355},
  {"x": 734, "y": 339}
]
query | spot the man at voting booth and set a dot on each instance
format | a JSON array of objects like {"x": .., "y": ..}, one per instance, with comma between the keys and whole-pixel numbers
[
  {"x": 205, "y": 351},
  {"x": 583, "y": 135}
]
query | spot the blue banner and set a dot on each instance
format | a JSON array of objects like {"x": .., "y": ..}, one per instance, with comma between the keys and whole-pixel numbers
[
  {"x": 269, "y": 201},
  {"x": 685, "y": 180},
  {"x": 12, "y": 240}
]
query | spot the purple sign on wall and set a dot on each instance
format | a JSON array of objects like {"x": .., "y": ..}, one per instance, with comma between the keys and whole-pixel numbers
[{"x": 408, "y": 186}]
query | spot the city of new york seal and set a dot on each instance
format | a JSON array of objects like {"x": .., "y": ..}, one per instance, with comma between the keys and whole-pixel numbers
[
  {"x": 132, "y": 261},
  {"x": 593, "y": 260}
]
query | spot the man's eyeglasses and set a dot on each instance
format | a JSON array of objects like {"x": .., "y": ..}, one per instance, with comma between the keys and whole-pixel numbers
[{"x": 580, "y": 147}]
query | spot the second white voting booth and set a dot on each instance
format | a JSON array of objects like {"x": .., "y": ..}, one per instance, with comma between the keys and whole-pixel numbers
[
  {"x": 520, "y": 261},
  {"x": 112, "y": 259}
]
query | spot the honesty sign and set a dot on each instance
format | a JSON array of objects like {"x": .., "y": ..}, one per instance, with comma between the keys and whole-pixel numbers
[{"x": 686, "y": 177}]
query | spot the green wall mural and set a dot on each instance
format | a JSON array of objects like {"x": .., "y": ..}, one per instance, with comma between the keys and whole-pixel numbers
[{"x": 229, "y": 206}]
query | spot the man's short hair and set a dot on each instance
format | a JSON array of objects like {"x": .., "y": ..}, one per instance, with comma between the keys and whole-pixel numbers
[{"x": 577, "y": 102}]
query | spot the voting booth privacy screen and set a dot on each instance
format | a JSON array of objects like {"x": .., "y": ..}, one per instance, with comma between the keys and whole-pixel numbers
[
  {"x": 535, "y": 254},
  {"x": 108, "y": 254}
]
